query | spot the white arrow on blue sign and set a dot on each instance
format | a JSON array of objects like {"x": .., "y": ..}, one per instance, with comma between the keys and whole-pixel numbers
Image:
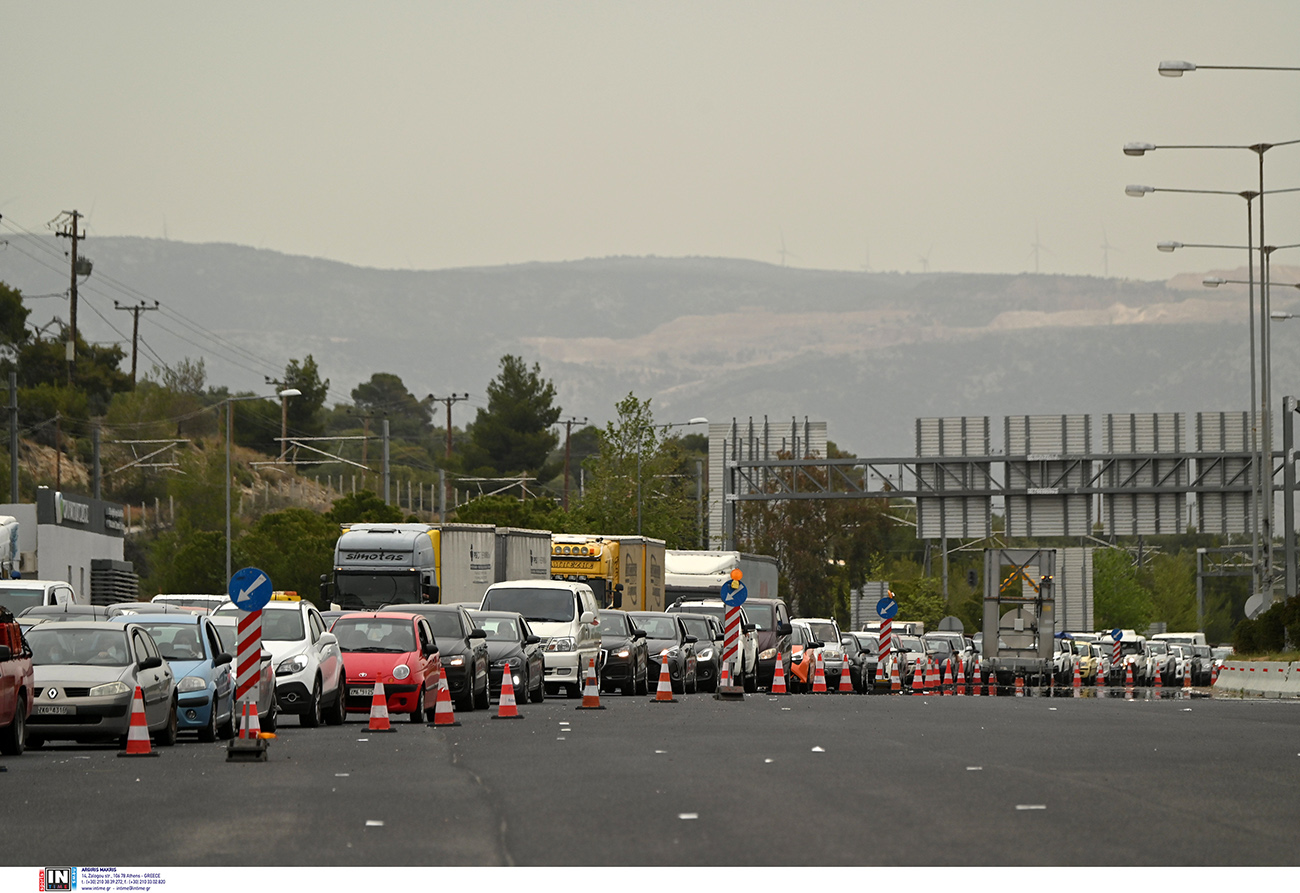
[
  {"x": 887, "y": 608},
  {"x": 1117, "y": 634},
  {"x": 734, "y": 597},
  {"x": 250, "y": 589}
]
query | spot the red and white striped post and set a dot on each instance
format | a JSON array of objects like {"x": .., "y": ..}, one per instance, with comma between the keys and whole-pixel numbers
[
  {"x": 731, "y": 638},
  {"x": 248, "y": 658},
  {"x": 886, "y": 644}
]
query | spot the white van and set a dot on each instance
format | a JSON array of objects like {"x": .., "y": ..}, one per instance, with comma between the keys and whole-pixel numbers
[
  {"x": 18, "y": 595},
  {"x": 1180, "y": 638},
  {"x": 565, "y": 615}
]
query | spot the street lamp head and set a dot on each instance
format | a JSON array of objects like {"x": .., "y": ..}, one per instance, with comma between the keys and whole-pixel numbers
[
  {"x": 1168, "y": 246},
  {"x": 698, "y": 420},
  {"x": 1280, "y": 314},
  {"x": 289, "y": 392},
  {"x": 1212, "y": 281},
  {"x": 1138, "y": 191},
  {"x": 1175, "y": 69},
  {"x": 1138, "y": 148}
]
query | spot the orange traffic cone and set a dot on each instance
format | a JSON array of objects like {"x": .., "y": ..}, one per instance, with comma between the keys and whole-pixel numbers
[
  {"x": 945, "y": 681},
  {"x": 1128, "y": 676},
  {"x": 1101, "y": 676},
  {"x": 1159, "y": 682},
  {"x": 1020, "y": 686},
  {"x": 976, "y": 678},
  {"x": 1187, "y": 674},
  {"x": 932, "y": 678},
  {"x": 137, "y": 737},
  {"x": 1214, "y": 675},
  {"x": 895, "y": 684},
  {"x": 724, "y": 679},
  {"x": 1078, "y": 681},
  {"x": 506, "y": 708},
  {"x": 778, "y": 678},
  {"x": 243, "y": 719},
  {"x": 443, "y": 714},
  {"x": 846, "y": 678},
  {"x": 819, "y": 676},
  {"x": 991, "y": 685},
  {"x": 918, "y": 678},
  {"x": 590, "y": 691},
  {"x": 664, "y": 693},
  {"x": 379, "y": 711}
]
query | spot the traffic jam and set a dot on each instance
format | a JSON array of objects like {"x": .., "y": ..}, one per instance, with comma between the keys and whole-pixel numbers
[{"x": 140, "y": 674}]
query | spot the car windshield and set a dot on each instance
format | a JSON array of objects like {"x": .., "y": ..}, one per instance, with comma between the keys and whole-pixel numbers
[
  {"x": 372, "y": 590},
  {"x": 938, "y": 646},
  {"x": 499, "y": 629},
  {"x": 446, "y": 624},
  {"x": 177, "y": 641},
  {"x": 19, "y": 600},
  {"x": 825, "y": 632},
  {"x": 759, "y": 615},
  {"x": 698, "y": 628},
  {"x": 1158, "y": 647},
  {"x": 1201, "y": 650},
  {"x": 612, "y": 625},
  {"x": 282, "y": 626},
  {"x": 1127, "y": 646},
  {"x": 907, "y": 643},
  {"x": 94, "y": 647},
  {"x": 718, "y": 611},
  {"x": 656, "y": 626},
  {"x": 375, "y": 634},
  {"x": 869, "y": 644},
  {"x": 537, "y": 605}
]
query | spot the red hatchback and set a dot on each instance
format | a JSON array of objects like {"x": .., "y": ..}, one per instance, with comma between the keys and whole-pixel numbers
[{"x": 395, "y": 649}]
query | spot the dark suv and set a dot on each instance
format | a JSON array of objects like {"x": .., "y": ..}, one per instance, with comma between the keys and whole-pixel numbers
[{"x": 772, "y": 619}]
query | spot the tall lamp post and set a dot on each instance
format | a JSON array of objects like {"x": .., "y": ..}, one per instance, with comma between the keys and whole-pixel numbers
[
  {"x": 230, "y": 418},
  {"x": 640, "y": 440}
]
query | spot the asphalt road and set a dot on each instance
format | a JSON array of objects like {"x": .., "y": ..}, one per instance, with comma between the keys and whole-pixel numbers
[{"x": 800, "y": 780}]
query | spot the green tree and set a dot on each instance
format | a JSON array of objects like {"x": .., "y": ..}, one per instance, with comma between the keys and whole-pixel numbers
[
  {"x": 1119, "y": 599},
  {"x": 633, "y": 450},
  {"x": 304, "y": 412},
  {"x": 294, "y": 547},
  {"x": 507, "y": 511},
  {"x": 514, "y": 434},
  {"x": 13, "y": 321},
  {"x": 1173, "y": 590},
  {"x": 188, "y": 560},
  {"x": 363, "y": 506},
  {"x": 385, "y": 396}
]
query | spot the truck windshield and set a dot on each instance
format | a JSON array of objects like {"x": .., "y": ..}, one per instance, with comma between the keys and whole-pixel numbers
[
  {"x": 19, "y": 600},
  {"x": 371, "y": 591},
  {"x": 537, "y": 605}
]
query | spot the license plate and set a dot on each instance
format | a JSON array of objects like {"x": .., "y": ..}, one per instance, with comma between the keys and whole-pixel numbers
[
  {"x": 54, "y": 710},
  {"x": 361, "y": 692}
]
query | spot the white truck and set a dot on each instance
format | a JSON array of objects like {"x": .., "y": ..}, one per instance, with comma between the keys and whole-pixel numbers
[
  {"x": 19, "y": 595},
  {"x": 8, "y": 546}
]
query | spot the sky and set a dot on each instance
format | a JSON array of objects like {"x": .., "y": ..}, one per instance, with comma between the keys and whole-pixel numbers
[{"x": 891, "y": 136}]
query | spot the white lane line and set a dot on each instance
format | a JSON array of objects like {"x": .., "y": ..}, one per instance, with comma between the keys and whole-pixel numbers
[
  {"x": 687, "y": 816},
  {"x": 1021, "y": 807}
]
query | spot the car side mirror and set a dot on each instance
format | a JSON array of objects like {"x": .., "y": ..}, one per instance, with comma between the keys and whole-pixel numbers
[
  {"x": 327, "y": 639},
  {"x": 748, "y": 627},
  {"x": 690, "y": 640},
  {"x": 816, "y": 644},
  {"x": 430, "y": 649},
  {"x": 532, "y": 640},
  {"x": 587, "y": 617},
  {"x": 6, "y": 653},
  {"x": 151, "y": 663},
  {"x": 222, "y": 659},
  {"x": 478, "y": 634},
  {"x": 638, "y": 634},
  {"x": 783, "y": 629}
]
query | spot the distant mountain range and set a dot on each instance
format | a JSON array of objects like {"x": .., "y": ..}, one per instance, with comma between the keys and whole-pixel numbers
[{"x": 867, "y": 352}]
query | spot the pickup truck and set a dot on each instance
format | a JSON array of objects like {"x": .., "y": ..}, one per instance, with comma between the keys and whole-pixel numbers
[{"x": 16, "y": 685}]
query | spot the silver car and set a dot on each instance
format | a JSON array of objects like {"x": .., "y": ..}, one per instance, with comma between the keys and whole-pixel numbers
[{"x": 85, "y": 676}]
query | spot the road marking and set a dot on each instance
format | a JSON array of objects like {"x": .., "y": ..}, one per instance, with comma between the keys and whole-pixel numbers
[
  {"x": 374, "y": 823},
  {"x": 770, "y": 761},
  {"x": 561, "y": 739},
  {"x": 687, "y": 816},
  {"x": 341, "y": 774},
  {"x": 819, "y": 750},
  {"x": 363, "y": 739},
  {"x": 1020, "y": 807},
  {"x": 661, "y": 751},
  {"x": 974, "y": 768}
]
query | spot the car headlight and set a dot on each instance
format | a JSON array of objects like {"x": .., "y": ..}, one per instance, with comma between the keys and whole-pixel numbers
[
  {"x": 401, "y": 671},
  {"x": 674, "y": 651},
  {"x": 192, "y": 683},
  {"x": 767, "y": 654},
  {"x": 456, "y": 662},
  {"x": 508, "y": 662},
  {"x": 562, "y": 643},
  {"x": 292, "y": 665},
  {"x": 624, "y": 653},
  {"x": 111, "y": 688},
  {"x": 706, "y": 654}
]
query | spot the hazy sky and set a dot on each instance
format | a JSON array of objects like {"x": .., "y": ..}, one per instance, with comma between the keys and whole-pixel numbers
[{"x": 432, "y": 135}]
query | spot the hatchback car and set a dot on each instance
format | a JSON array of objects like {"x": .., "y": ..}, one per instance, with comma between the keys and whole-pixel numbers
[
  {"x": 710, "y": 639},
  {"x": 397, "y": 649},
  {"x": 667, "y": 633},
  {"x": 205, "y": 684},
  {"x": 85, "y": 675},
  {"x": 463, "y": 650},
  {"x": 827, "y": 631},
  {"x": 513, "y": 646}
]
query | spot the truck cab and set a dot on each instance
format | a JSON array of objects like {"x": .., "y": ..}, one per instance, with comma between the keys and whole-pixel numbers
[{"x": 19, "y": 595}]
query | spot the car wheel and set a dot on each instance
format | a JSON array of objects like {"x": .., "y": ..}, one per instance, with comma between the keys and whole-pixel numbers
[
  {"x": 167, "y": 737},
  {"x": 484, "y": 701},
  {"x": 465, "y": 703},
  {"x": 417, "y": 715},
  {"x": 751, "y": 682},
  {"x": 272, "y": 715},
  {"x": 643, "y": 687},
  {"x": 12, "y": 738},
  {"x": 208, "y": 733},
  {"x": 311, "y": 718},
  {"x": 227, "y": 729},
  {"x": 574, "y": 690},
  {"x": 336, "y": 713},
  {"x": 629, "y": 687},
  {"x": 692, "y": 685},
  {"x": 539, "y": 694}
]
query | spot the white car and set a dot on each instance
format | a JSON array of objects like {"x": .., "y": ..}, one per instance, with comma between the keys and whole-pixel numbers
[
  {"x": 828, "y": 633},
  {"x": 308, "y": 662}
]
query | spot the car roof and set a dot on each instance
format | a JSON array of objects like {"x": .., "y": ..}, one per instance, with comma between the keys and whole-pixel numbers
[
  {"x": 404, "y": 615},
  {"x": 145, "y": 619},
  {"x": 111, "y": 625}
]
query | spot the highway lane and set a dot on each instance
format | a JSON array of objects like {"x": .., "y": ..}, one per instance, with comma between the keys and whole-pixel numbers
[{"x": 802, "y": 780}]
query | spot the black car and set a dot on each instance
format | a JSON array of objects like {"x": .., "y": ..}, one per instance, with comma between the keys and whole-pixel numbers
[
  {"x": 511, "y": 643},
  {"x": 667, "y": 633},
  {"x": 464, "y": 651},
  {"x": 862, "y": 651},
  {"x": 708, "y": 648},
  {"x": 625, "y": 661}
]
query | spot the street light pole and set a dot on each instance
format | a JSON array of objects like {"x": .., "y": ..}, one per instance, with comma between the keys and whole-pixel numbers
[{"x": 230, "y": 418}]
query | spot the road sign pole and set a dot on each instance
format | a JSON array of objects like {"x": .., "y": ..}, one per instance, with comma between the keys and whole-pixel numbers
[{"x": 250, "y": 591}]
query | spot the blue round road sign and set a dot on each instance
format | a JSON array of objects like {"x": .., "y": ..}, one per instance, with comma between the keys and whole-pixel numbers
[
  {"x": 250, "y": 589},
  {"x": 1117, "y": 634},
  {"x": 887, "y": 608},
  {"x": 734, "y": 597}
]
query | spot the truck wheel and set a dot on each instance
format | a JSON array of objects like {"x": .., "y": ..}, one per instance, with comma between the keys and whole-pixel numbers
[{"x": 12, "y": 738}]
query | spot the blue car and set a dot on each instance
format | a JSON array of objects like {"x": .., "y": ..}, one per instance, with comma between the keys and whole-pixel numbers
[{"x": 205, "y": 684}]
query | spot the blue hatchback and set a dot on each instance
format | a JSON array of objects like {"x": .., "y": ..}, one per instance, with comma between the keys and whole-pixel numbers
[{"x": 205, "y": 684}]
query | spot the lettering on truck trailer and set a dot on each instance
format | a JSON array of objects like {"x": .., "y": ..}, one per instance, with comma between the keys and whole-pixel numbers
[{"x": 377, "y": 556}]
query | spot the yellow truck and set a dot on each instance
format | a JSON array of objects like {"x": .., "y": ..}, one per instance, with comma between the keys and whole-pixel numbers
[{"x": 624, "y": 572}]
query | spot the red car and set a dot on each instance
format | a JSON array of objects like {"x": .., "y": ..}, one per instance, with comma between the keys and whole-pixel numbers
[
  {"x": 395, "y": 649},
  {"x": 15, "y": 685}
]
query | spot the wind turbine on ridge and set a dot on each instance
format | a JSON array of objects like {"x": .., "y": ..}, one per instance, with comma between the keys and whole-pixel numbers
[
  {"x": 1036, "y": 247},
  {"x": 784, "y": 254},
  {"x": 1106, "y": 248}
]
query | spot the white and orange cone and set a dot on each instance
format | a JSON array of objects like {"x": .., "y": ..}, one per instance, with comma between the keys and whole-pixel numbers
[
  {"x": 819, "y": 676},
  {"x": 895, "y": 684},
  {"x": 946, "y": 680},
  {"x": 846, "y": 677},
  {"x": 919, "y": 677},
  {"x": 1128, "y": 676},
  {"x": 243, "y": 720},
  {"x": 443, "y": 714},
  {"x": 724, "y": 679},
  {"x": 991, "y": 686},
  {"x": 1078, "y": 681},
  {"x": 506, "y": 708},
  {"x": 1187, "y": 674},
  {"x": 932, "y": 680},
  {"x": 976, "y": 678},
  {"x": 137, "y": 737},
  {"x": 1214, "y": 674},
  {"x": 778, "y": 678},
  {"x": 1159, "y": 682},
  {"x": 590, "y": 691},
  {"x": 379, "y": 710},
  {"x": 664, "y": 693},
  {"x": 1020, "y": 686}
]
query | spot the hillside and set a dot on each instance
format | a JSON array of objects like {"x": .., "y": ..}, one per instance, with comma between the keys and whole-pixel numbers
[{"x": 868, "y": 352}]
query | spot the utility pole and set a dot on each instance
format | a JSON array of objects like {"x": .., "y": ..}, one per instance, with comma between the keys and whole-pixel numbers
[
  {"x": 71, "y": 231},
  {"x": 448, "y": 401},
  {"x": 135, "y": 329},
  {"x": 568, "y": 431},
  {"x": 13, "y": 437}
]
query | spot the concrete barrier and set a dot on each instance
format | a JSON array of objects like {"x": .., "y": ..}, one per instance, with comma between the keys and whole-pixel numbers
[{"x": 1267, "y": 679}]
